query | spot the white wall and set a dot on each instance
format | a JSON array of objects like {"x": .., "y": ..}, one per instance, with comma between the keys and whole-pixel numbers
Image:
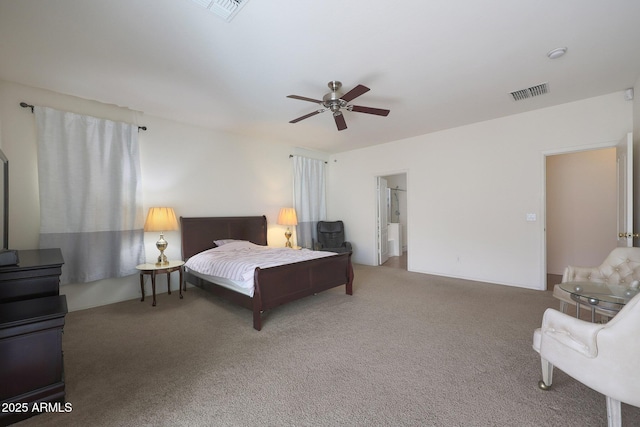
[
  {"x": 471, "y": 188},
  {"x": 581, "y": 204},
  {"x": 196, "y": 171}
]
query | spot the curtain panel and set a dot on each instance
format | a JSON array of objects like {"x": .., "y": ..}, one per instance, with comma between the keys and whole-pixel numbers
[
  {"x": 90, "y": 194},
  {"x": 309, "y": 198}
]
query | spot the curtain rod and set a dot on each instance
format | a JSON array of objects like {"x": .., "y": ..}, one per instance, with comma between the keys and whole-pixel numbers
[
  {"x": 291, "y": 155},
  {"x": 25, "y": 105}
]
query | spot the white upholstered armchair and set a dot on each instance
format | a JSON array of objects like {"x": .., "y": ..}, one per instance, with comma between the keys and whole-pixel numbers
[
  {"x": 604, "y": 357},
  {"x": 622, "y": 266}
]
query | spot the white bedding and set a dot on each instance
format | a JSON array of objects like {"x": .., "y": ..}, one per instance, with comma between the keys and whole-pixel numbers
[{"x": 236, "y": 261}]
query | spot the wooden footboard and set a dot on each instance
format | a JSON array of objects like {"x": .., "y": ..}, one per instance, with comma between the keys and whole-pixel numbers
[{"x": 279, "y": 285}]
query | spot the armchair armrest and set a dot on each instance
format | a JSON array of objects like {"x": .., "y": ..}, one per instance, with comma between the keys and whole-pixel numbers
[{"x": 573, "y": 333}]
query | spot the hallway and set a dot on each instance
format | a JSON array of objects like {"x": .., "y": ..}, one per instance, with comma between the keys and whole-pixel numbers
[{"x": 397, "y": 261}]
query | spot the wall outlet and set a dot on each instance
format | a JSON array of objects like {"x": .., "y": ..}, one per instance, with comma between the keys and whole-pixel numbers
[{"x": 531, "y": 217}]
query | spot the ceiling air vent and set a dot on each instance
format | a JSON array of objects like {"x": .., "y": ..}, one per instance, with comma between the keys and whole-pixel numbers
[
  {"x": 530, "y": 92},
  {"x": 225, "y": 9}
]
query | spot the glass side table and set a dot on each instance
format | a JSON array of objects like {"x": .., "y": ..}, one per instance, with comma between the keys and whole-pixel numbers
[{"x": 604, "y": 297}]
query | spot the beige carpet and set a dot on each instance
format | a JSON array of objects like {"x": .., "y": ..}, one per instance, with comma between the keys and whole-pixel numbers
[{"x": 406, "y": 349}]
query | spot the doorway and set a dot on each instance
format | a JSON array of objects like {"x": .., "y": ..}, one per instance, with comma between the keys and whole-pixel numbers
[
  {"x": 581, "y": 203},
  {"x": 392, "y": 224}
]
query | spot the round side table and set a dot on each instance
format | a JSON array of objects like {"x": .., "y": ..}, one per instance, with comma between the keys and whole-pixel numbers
[{"x": 153, "y": 269}]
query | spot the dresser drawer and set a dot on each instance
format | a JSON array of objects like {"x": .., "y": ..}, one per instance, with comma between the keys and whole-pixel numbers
[
  {"x": 34, "y": 287},
  {"x": 31, "y": 361},
  {"x": 37, "y": 275}
]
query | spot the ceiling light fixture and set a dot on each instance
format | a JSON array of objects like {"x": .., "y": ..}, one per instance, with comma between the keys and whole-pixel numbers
[
  {"x": 557, "y": 52},
  {"x": 225, "y": 9}
]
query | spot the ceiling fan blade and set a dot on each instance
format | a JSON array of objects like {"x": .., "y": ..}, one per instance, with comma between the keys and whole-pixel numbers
[
  {"x": 369, "y": 110},
  {"x": 340, "y": 121},
  {"x": 304, "y": 98},
  {"x": 355, "y": 92},
  {"x": 306, "y": 116}
]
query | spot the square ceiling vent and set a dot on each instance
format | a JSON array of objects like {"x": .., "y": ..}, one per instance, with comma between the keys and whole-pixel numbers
[
  {"x": 225, "y": 9},
  {"x": 530, "y": 92}
]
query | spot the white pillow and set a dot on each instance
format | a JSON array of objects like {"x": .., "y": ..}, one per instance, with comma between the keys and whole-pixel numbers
[
  {"x": 236, "y": 245},
  {"x": 225, "y": 241}
]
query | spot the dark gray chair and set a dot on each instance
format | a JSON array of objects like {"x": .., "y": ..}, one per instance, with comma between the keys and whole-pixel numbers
[{"x": 331, "y": 237}]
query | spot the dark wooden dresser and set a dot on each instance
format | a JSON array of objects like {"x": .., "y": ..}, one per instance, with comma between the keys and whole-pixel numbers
[{"x": 32, "y": 316}]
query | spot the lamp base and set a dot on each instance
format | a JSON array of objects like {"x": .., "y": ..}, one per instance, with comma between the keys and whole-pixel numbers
[
  {"x": 162, "y": 244},
  {"x": 162, "y": 260},
  {"x": 287, "y": 234}
]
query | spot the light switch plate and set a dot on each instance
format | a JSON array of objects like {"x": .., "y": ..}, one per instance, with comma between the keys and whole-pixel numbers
[{"x": 531, "y": 217}]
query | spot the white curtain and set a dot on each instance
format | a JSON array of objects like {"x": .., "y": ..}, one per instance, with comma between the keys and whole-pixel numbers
[
  {"x": 90, "y": 194},
  {"x": 309, "y": 198}
]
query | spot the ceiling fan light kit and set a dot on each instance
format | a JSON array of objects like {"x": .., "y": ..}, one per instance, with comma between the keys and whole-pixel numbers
[{"x": 336, "y": 101}]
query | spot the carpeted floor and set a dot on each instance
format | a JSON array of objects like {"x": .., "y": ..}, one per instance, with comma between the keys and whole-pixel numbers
[{"x": 406, "y": 349}]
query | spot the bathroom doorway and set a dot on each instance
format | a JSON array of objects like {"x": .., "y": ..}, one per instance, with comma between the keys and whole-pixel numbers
[{"x": 393, "y": 200}]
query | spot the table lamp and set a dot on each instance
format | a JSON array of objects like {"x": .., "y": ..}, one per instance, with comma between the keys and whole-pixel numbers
[
  {"x": 161, "y": 219},
  {"x": 288, "y": 217}
]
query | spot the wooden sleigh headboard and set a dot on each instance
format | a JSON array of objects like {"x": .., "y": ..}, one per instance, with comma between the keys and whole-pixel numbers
[{"x": 199, "y": 233}]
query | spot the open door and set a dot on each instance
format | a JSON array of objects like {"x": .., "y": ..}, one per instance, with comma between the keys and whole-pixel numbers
[
  {"x": 383, "y": 237},
  {"x": 624, "y": 160}
]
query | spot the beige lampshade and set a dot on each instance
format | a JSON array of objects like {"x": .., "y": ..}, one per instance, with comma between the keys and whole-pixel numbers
[
  {"x": 287, "y": 216},
  {"x": 161, "y": 219}
]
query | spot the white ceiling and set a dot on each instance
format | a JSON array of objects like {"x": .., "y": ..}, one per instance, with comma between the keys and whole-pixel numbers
[{"x": 435, "y": 64}]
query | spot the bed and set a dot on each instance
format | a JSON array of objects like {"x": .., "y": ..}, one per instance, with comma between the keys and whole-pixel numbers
[{"x": 272, "y": 286}]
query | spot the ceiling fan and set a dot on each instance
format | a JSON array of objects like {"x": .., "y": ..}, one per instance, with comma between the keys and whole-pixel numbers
[{"x": 336, "y": 101}]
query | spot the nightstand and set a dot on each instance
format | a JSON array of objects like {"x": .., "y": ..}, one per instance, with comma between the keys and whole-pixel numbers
[{"x": 153, "y": 269}]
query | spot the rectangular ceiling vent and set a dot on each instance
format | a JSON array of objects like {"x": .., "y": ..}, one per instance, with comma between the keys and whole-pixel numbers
[
  {"x": 530, "y": 92},
  {"x": 225, "y": 9}
]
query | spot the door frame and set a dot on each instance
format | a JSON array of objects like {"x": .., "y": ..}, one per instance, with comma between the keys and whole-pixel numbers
[
  {"x": 545, "y": 154},
  {"x": 625, "y": 198},
  {"x": 404, "y": 172},
  {"x": 382, "y": 213}
]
